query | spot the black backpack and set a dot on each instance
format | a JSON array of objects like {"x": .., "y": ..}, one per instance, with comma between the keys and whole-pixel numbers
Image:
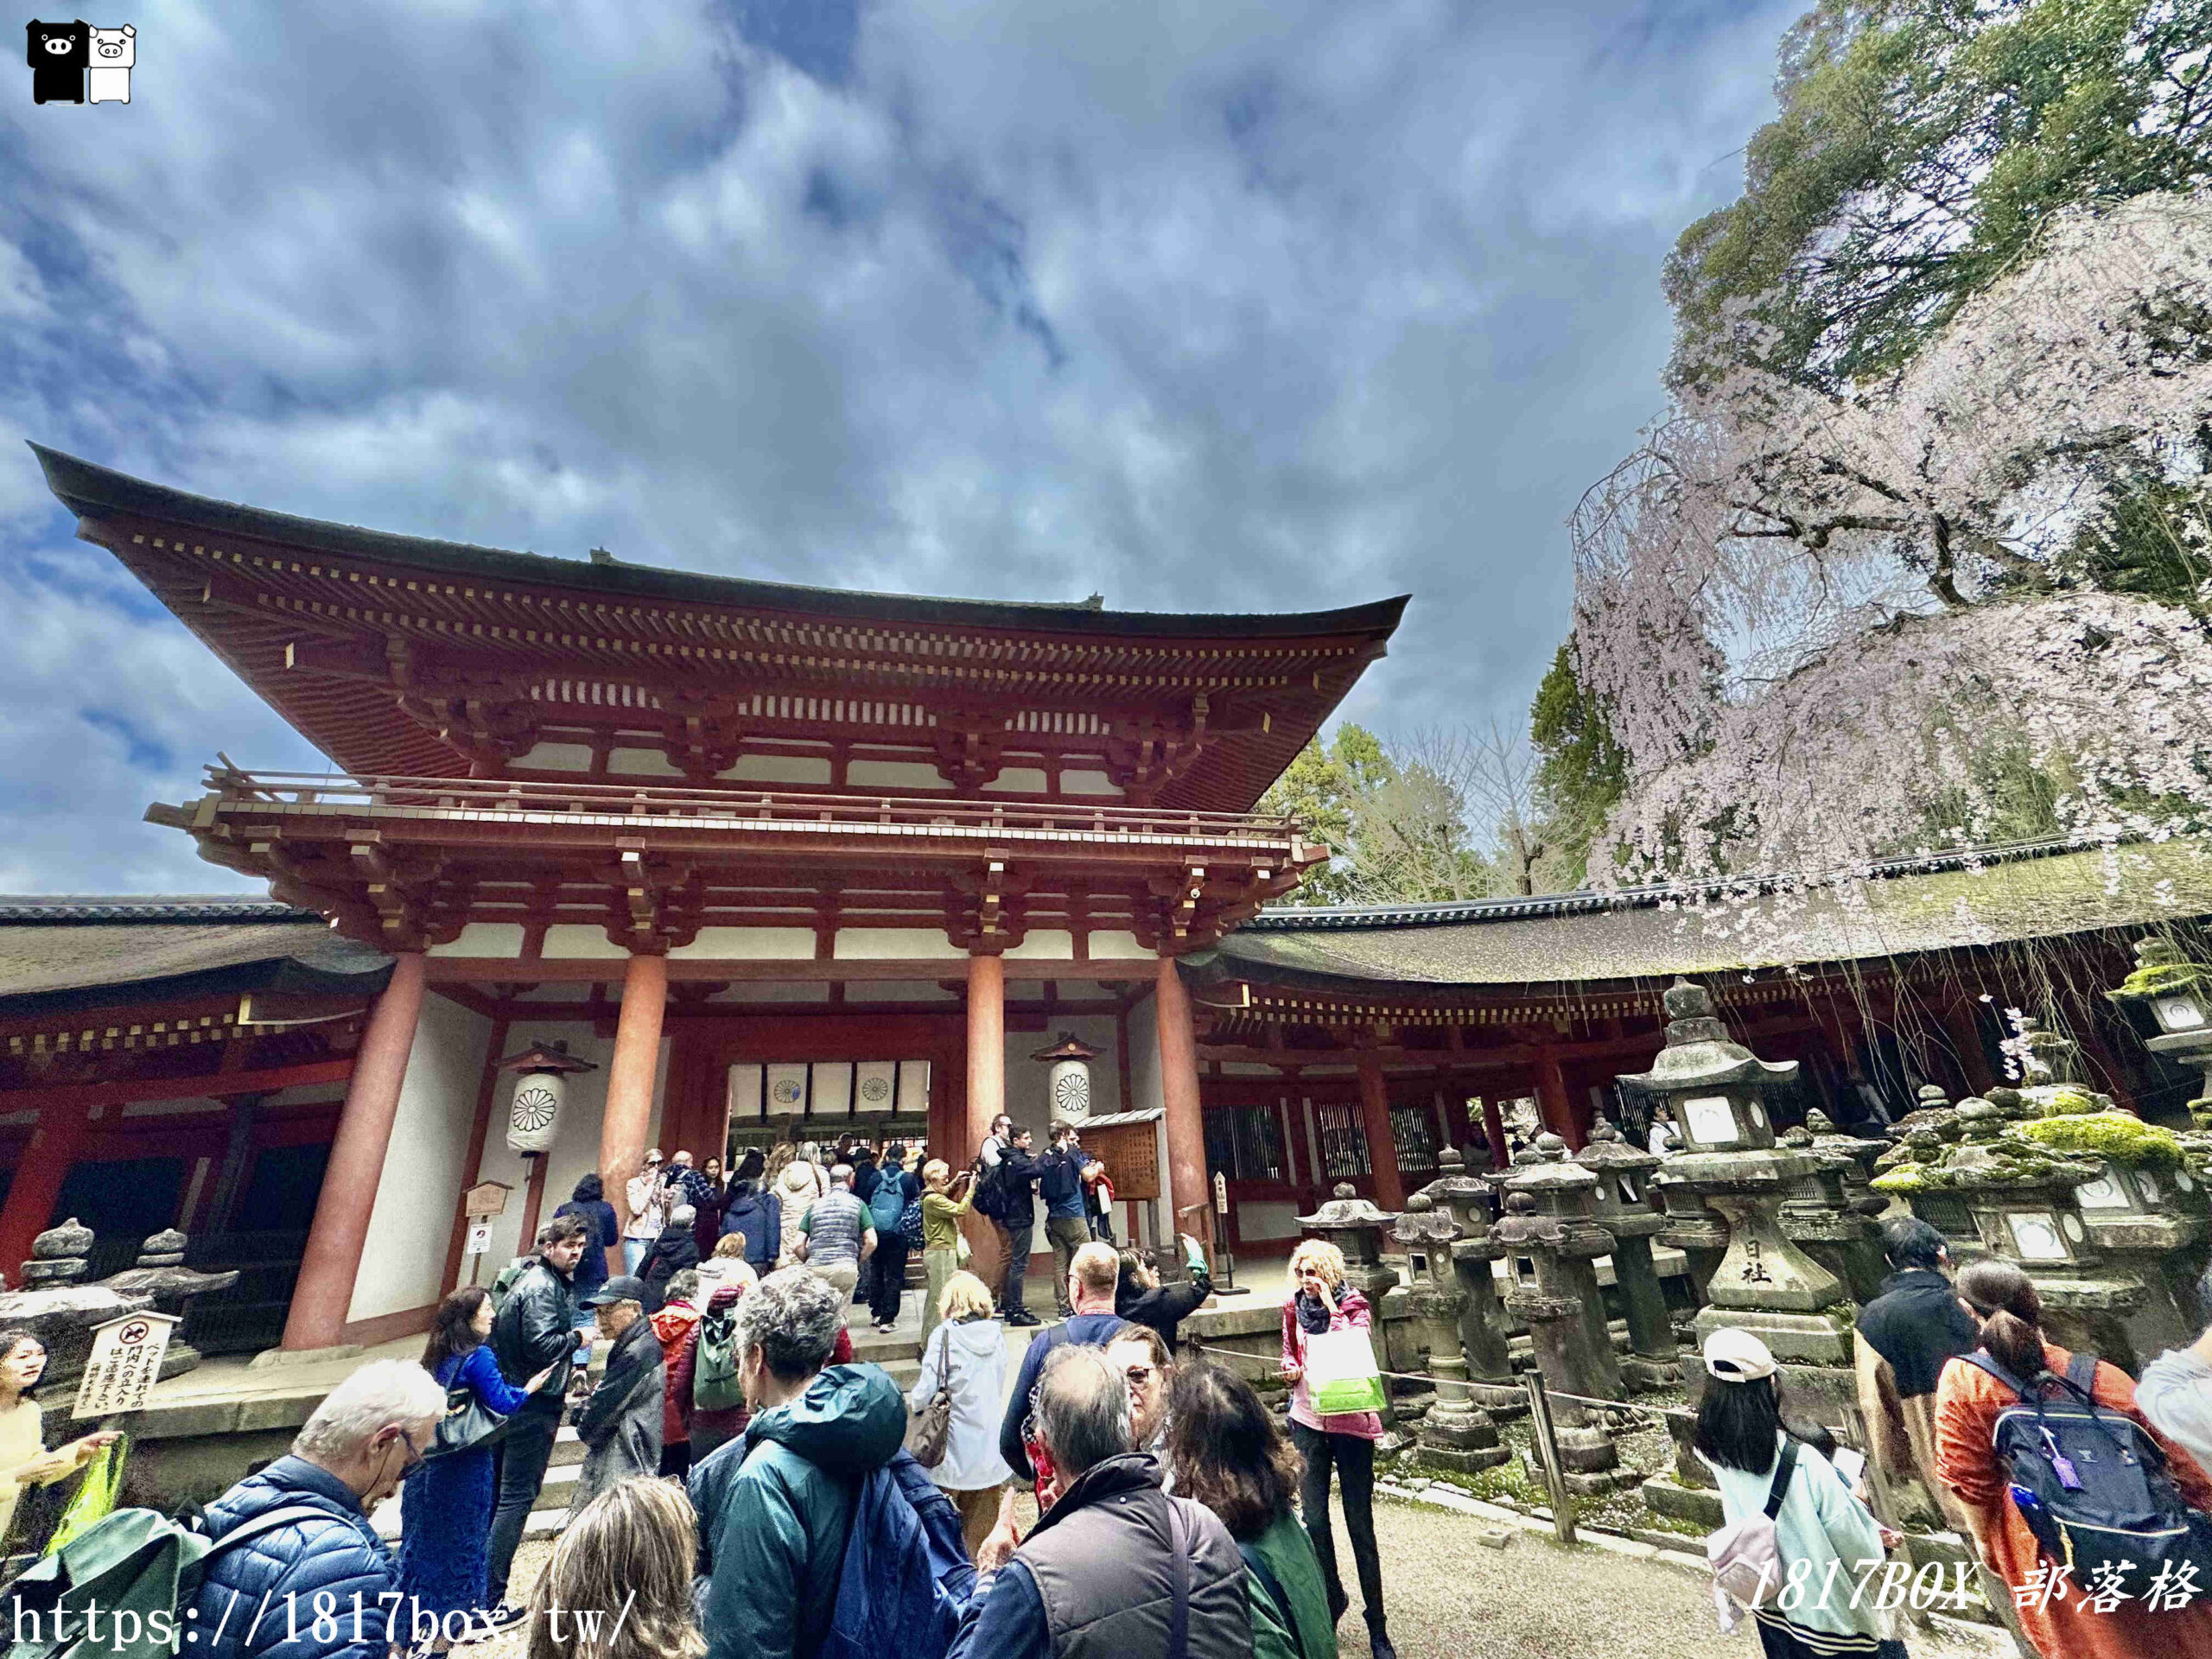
[{"x": 2091, "y": 1484}]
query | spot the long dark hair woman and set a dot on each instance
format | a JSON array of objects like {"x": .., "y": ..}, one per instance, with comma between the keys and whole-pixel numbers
[
  {"x": 1741, "y": 1437},
  {"x": 1227, "y": 1451},
  {"x": 1967, "y": 1401},
  {"x": 446, "y": 1513}
]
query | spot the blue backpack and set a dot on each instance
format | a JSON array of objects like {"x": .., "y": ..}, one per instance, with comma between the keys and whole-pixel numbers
[
  {"x": 905, "y": 1577},
  {"x": 889, "y": 1206},
  {"x": 2089, "y": 1482}
]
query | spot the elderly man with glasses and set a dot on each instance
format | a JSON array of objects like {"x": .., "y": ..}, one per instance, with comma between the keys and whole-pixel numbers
[{"x": 349, "y": 1457}]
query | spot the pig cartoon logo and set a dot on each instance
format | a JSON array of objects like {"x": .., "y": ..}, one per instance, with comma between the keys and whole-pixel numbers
[
  {"x": 59, "y": 54},
  {"x": 114, "y": 52}
]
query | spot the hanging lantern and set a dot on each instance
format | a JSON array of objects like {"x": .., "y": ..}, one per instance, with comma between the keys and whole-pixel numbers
[
  {"x": 542, "y": 1072},
  {"x": 1068, "y": 1083}
]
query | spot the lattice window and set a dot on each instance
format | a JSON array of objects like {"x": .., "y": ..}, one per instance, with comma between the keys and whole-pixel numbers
[
  {"x": 1344, "y": 1143},
  {"x": 1245, "y": 1143},
  {"x": 1411, "y": 1128}
]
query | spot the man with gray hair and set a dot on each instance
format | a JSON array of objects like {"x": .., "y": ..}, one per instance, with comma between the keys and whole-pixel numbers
[
  {"x": 349, "y": 1457},
  {"x": 675, "y": 1249},
  {"x": 838, "y": 1233},
  {"x": 1114, "y": 1565},
  {"x": 776, "y": 1507}
]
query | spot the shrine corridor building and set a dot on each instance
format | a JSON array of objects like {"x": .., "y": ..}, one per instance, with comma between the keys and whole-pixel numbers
[{"x": 772, "y": 862}]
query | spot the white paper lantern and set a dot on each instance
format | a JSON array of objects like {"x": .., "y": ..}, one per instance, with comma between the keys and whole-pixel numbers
[{"x": 534, "y": 1111}]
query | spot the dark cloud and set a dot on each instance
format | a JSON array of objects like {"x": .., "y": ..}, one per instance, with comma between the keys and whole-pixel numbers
[{"x": 1236, "y": 306}]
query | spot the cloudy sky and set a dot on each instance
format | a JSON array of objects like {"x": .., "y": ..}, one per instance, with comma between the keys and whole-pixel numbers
[{"x": 1245, "y": 304}]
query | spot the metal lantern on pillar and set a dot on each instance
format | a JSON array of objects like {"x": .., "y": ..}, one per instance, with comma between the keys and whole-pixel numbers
[
  {"x": 541, "y": 1071},
  {"x": 1067, "y": 1085}
]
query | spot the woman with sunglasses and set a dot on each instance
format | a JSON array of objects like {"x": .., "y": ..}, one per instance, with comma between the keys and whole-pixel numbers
[{"x": 1319, "y": 1302}]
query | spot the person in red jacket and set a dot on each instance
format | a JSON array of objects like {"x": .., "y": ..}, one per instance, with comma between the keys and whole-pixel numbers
[{"x": 677, "y": 1325}]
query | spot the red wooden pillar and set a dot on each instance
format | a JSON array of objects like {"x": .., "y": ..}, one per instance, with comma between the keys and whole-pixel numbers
[
  {"x": 1381, "y": 1142},
  {"x": 340, "y": 1227},
  {"x": 986, "y": 1097},
  {"x": 1553, "y": 1102},
  {"x": 53, "y": 1146},
  {"x": 1187, "y": 1184},
  {"x": 629, "y": 1116}
]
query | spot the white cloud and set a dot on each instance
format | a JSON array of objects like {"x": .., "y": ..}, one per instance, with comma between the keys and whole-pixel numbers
[{"x": 1241, "y": 306}]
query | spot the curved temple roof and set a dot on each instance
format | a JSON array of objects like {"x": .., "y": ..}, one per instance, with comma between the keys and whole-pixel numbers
[
  {"x": 91, "y": 491},
  {"x": 405, "y": 656}
]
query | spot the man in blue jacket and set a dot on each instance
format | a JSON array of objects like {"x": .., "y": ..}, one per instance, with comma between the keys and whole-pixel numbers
[
  {"x": 1090, "y": 1288},
  {"x": 1060, "y": 1184},
  {"x": 260, "y": 1600}
]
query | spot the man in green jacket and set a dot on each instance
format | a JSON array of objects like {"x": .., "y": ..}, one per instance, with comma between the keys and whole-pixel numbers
[{"x": 775, "y": 1507}]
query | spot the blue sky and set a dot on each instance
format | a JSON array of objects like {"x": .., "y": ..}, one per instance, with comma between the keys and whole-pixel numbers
[{"x": 1234, "y": 306}]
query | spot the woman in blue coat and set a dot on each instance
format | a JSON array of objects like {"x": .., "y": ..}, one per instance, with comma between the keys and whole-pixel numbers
[{"x": 445, "y": 1502}]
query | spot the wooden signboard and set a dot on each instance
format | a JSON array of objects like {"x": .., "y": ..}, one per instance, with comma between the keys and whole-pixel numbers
[
  {"x": 486, "y": 1198},
  {"x": 1131, "y": 1155},
  {"x": 126, "y": 1360}
]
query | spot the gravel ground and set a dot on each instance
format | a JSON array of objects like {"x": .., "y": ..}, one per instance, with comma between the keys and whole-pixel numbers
[{"x": 1453, "y": 1598}]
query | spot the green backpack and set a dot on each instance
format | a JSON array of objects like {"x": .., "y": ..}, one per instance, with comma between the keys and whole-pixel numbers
[
  {"x": 713, "y": 1370},
  {"x": 136, "y": 1563}
]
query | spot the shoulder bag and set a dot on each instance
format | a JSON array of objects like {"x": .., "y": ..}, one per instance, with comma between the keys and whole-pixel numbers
[{"x": 930, "y": 1434}]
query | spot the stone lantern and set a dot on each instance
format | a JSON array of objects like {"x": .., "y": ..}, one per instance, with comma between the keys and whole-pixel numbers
[
  {"x": 1565, "y": 1259},
  {"x": 542, "y": 1072},
  {"x": 160, "y": 1275},
  {"x": 1067, "y": 1085},
  {"x": 1618, "y": 1203},
  {"x": 1555, "y": 1307},
  {"x": 2022, "y": 1198},
  {"x": 1857, "y": 1155},
  {"x": 1764, "y": 1283},
  {"x": 1483, "y": 1337},
  {"x": 2173, "y": 995},
  {"x": 1820, "y": 1219},
  {"x": 1456, "y": 1432}
]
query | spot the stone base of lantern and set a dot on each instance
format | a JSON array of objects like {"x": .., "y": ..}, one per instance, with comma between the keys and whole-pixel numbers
[
  {"x": 1647, "y": 1375},
  {"x": 1587, "y": 1451},
  {"x": 1807, "y": 1338},
  {"x": 1699, "y": 1506},
  {"x": 1504, "y": 1402},
  {"x": 1456, "y": 1435}
]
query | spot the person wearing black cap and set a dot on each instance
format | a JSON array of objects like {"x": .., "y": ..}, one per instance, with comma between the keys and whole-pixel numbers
[{"x": 621, "y": 1421}]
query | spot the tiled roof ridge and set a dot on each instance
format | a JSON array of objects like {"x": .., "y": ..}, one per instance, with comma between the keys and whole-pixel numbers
[
  {"x": 72, "y": 907},
  {"x": 1294, "y": 918}
]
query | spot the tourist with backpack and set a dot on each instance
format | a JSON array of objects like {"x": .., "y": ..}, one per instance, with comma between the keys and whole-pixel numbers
[
  {"x": 812, "y": 1477},
  {"x": 349, "y": 1457},
  {"x": 2057, "y": 1465},
  {"x": 894, "y": 1191},
  {"x": 753, "y": 1209},
  {"x": 674, "y": 1326},
  {"x": 1807, "y": 1543},
  {"x": 704, "y": 1372},
  {"x": 1009, "y": 1200}
]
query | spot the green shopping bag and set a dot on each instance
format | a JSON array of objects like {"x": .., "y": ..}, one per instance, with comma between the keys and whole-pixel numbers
[
  {"x": 1341, "y": 1374},
  {"x": 95, "y": 1496}
]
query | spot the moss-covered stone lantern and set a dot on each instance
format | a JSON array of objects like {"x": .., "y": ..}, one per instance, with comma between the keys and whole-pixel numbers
[
  {"x": 1564, "y": 1192},
  {"x": 1718, "y": 1091},
  {"x": 2169, "y": 998},
  {"x": 2021, "y": 1197},
  {"x": 1554, "y": 1303},
  {"x": 1821, "y": 1218}
]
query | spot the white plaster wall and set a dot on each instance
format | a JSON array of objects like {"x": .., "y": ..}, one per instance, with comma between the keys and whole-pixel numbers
[
  {"x": 1028, "y": 1101},
  {"x": 411, "y": 1222},
  {"x": 575, "y": 1138}
]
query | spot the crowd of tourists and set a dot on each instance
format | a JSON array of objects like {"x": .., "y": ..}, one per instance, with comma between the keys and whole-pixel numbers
[{"x": 747, "y": 1489}]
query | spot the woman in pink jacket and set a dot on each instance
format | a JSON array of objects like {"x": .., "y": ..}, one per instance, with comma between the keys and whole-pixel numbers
[{"x": 1320, "y": 1301}]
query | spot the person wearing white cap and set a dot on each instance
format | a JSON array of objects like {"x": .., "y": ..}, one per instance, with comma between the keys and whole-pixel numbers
[{"x": 1824, "y": 1537}]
